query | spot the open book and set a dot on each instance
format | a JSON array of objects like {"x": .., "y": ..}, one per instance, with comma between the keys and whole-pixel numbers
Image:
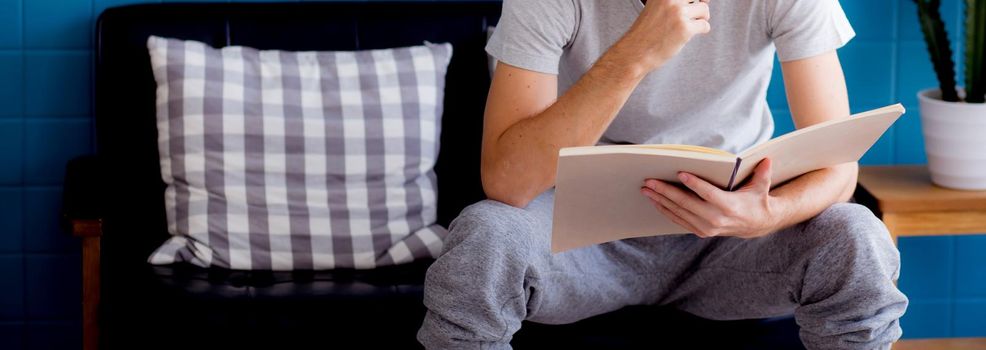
[{"x": 597, "y": 188}]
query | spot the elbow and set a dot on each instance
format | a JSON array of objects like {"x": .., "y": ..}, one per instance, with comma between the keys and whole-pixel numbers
[
  {"x": 514, "y": 201},
  {"x": 852, "y": 174},
  {"x": 847, "y": 195},
  {"x": 513, "y": 181},
  {"x": 500, "y": 188},
  {"x": 509, "y": 195}
]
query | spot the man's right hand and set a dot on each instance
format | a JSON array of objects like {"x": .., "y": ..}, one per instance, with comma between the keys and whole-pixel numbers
[{"x": 661, "y": 30}]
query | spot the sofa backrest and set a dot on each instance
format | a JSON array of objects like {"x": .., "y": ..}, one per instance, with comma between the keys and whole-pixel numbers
[{"x": 125, "y": 89}]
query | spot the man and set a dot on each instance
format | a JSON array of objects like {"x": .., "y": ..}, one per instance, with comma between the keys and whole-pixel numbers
[{"x": 582, "y": 72}]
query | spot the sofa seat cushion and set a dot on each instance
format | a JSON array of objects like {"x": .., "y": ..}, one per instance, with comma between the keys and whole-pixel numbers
[
  {"x": 190, "y": 281},
  {"x": 219, "y": 308},
  {"x": 378, "y": 308}
]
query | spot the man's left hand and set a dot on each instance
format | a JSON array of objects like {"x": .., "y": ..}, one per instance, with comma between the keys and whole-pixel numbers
[{"x": 708, "y": 211}]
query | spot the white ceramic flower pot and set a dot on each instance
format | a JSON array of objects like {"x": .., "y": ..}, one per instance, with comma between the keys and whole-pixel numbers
[{"x": 954, "y": 140}]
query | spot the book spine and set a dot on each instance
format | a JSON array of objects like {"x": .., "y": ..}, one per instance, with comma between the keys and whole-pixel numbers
[{"x": 732, "y": 178}]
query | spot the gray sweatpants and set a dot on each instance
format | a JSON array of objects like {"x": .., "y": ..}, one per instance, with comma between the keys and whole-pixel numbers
[{"x": 835, "y": 273}]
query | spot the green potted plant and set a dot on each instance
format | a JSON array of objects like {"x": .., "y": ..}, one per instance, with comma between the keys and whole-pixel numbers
[{"x": 954, "y": 119}]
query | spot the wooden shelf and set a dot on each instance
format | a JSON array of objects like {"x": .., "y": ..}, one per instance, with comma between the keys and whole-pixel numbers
[
  {"x": 942, "y": 344},
  {"x": 908, "y": 189},
  {"x": 912, "y": 206}
]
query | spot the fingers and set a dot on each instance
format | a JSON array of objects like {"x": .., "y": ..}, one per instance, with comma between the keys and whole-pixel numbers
[
  {"x": 694, "y": 221},
  {"x": 763, "y": 172},
  {"x": 761, "y": 176},
  {"x": 658, "y": 201},
  {"x": 708, "y": 192},
  {"x": 677, "y": 220},
  {"x": 697, "y": 11},
  {"x": 700, "y": 26},
  {"x": 699, "y": 15},
  {"x": 682, "y": 198}
]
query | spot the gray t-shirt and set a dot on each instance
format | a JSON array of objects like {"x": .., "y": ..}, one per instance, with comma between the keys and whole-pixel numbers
[{"x": 713, "y": 93}]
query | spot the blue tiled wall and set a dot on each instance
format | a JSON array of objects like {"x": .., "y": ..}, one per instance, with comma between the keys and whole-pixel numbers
[{"x": 45, "y": 55}]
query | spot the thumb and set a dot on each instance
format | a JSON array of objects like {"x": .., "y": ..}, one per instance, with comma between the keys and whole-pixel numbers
[{"x": 761, "y": 176}]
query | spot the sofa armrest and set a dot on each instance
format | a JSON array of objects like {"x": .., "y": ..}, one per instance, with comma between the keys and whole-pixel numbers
[
  {"x": 82, "y": 215},
  {"x": 82, "y": 197}
]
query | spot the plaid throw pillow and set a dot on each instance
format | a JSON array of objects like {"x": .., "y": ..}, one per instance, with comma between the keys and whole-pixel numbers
[{"x": 280, "y": 160}]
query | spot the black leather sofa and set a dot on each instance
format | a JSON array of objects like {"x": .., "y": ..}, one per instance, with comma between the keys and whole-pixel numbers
[{"x": 114, "y": 201}]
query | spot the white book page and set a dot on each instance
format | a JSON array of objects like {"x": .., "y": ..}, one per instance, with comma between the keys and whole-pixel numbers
[{"x": 820, "y": 146}]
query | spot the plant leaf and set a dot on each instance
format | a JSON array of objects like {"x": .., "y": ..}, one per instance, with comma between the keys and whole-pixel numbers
[
  {"x": 939, "y": 47},
  {"x": 975, "y": 57}
]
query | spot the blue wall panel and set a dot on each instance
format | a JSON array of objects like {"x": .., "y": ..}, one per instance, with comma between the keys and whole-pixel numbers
[
  {"x": 12, "y": 294},
  {"x": 12, "y": 84},
  {"x": 11, "y": 151},
  {"x": 11, "y": 224},
  {"x": 970, "y": 274},
  {"x": 927, "y": 319},
  {"x": 42, "y": 233},
  {"x": 44, "y": 162},
  {"x": 926, "y": 263},
  {"x": 57, "y": 24},
  {"x": 52, "y": 335},
  {"x": 12, "y": 335},
  {"x": 869, "y": 70},
  {"x": 968, "y": 318},
  {"x": 57, "y": 83},
  {"x": 51, "y": 287},
  {"x": 776, "y": 97},
  {"x": 45, "y": 60},
  {"x": 10, "y": 24}
]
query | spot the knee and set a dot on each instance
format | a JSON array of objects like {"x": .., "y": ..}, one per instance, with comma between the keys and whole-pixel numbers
[
  {"x": 494, "y": 226},
  {"x": 850, "y": 217},
  {"x": 849, "y": 232}
]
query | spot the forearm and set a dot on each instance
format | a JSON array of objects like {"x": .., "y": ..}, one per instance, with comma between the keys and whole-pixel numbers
[
  {"x": 527, "y": 123},
  {"x": 522, "y": 161},
  {"x": 810, "y": 194}
]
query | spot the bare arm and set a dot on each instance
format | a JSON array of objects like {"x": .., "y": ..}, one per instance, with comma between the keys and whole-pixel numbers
[
  {"x": 816, "y": 92},
  {"x": 525, "y": 126}
]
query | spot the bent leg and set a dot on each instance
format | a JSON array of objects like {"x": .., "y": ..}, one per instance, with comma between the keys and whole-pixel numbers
[
  {"x": 497, "y": 270},
  {"x": 836, "y": 272}
]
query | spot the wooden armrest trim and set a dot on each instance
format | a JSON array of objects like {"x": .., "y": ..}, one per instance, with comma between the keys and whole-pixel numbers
[
  {"x": 90, "y": 289},
  {"x": 87, "y": 228}
]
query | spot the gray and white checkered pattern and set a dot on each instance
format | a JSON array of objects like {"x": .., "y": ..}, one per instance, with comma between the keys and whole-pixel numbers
[{"x": 281, "y": 160}]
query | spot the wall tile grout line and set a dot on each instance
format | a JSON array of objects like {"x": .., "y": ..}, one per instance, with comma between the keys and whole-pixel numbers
[
  {"x": 57, "y": 118},
  {"x": 44, "y": 254},
  {"x": 55, "y": 50},
  {"x": 952, "y": 288},
  {"x": 944, "y": 300},
  {"x": 894, "y": 49},
  {"x": 93, "y": 16},
  {"x": 30, "y": 187},
  {"x": 23, "y": 150}
]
